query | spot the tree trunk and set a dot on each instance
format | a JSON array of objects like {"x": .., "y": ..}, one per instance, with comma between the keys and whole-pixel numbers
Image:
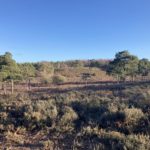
[
  {"x": 12, "y": 86},
  {"x": 4, "y": 88},
  {"x": 29, "y": 85}
]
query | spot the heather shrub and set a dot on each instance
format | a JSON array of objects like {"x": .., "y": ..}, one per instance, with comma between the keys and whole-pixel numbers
[
  {"x": 48, "y": 144},
  {"x": 40, "y": 113},
  {"x": 56, "y": 79},
  {"x": 112, "y": 119},
  {"x": 137, "y": 142},
  {"x": 132, "y": 117},
  {"x": 67, "y": 118},
  {"x": 143, "y": 126}
]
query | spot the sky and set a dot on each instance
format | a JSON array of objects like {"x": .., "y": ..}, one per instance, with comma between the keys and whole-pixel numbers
[{"x": 56, "y": 30}]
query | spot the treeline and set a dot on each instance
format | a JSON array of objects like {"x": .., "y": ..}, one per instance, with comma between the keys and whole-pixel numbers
[
  {"x": 10, "y": 69},
  {"x": 123, "y": 67}
]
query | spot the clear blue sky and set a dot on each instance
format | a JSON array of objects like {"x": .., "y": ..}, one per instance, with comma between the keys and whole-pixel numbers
[{"x": 35, "y": 30}]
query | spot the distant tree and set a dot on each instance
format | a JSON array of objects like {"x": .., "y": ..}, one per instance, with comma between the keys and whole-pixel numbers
[
  {"x": 27, "y": 70},
  {"x": 75, "y": 63},
  {"x": 44, "y": 68},
  {"x": 58, "y": 79},
  {"x": 8, "y": 68},
  {"x": 6, "y": 60},
  {"x": 123, "y": 65},
  {"x": 94, "y": 63},
  {"x": 102, "y": 64},
  {"x": 144, "y": 67}
]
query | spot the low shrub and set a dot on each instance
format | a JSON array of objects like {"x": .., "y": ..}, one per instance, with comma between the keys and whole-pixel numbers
[
  {"x": 41, "y": 113},
  {"x": 57, "y": 79},
  {"x": 67, "y": 118}
]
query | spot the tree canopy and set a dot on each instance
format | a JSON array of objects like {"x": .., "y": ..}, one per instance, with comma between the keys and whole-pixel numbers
[
  {"x": 126, "y": 64},
  {"x": 144, "y": 67},
  {"x": 8, "y": 67}
]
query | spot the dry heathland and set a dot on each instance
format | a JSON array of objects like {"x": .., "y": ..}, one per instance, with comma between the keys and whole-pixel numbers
[{"x": 75, "y": 105}]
